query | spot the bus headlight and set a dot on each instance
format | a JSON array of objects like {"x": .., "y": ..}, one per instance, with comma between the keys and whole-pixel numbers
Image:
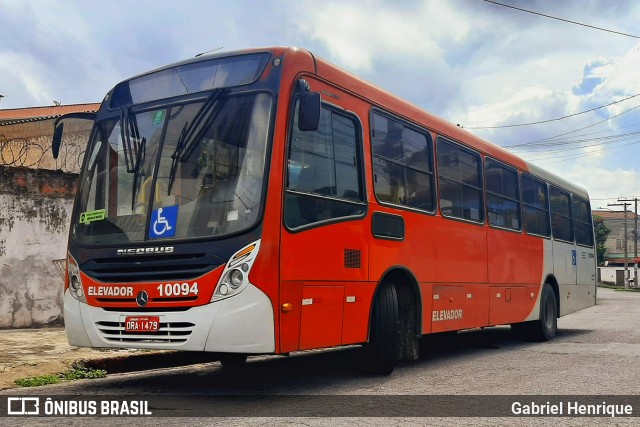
[
  {"x": 235, "y": 276},
  {"x": 75, "y": 282}
]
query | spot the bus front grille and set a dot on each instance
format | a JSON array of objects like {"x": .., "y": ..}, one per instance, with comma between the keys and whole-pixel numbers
[
  {"x": 169, "y": 333},
  {"x": 148, "y": 269}
]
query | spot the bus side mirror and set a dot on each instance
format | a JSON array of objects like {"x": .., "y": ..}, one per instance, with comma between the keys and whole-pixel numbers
[
  {"x": 309, "y": 112},
  {"x": 58, "y": 129},
  {"x": 57, "y": 139}
]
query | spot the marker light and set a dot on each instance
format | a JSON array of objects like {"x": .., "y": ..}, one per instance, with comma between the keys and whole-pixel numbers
[{"x": 286, "y": 307}]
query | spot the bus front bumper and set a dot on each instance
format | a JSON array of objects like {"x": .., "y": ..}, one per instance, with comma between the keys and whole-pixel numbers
[{"x": 243, "y": 323}]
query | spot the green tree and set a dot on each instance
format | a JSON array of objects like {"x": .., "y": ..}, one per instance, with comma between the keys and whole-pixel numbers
[{"x": 602, "y": 231}]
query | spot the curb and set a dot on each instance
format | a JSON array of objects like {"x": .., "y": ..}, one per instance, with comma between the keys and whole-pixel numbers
[{"x": 143, "y": 362}]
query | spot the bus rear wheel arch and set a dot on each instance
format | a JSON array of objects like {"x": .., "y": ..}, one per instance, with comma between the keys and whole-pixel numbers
[{"x": 546, "y": 326}]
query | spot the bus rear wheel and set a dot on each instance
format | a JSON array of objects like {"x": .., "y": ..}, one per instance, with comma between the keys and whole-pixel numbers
[
  {"x": 381, "y": 352},
  {"x": 545, "y": 328}
]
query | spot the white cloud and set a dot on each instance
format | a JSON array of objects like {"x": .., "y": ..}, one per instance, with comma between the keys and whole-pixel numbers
[
  {"x": 513, "y": 106},
  {"x": 471, "y": 62},
  {"x": 603, "y": 158},
  {"x": 31, "y": 83},
  {"x": 358, "y": 37}
]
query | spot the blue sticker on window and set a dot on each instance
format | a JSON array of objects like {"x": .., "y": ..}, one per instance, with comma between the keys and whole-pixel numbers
[{"x": 163, "y": 222}]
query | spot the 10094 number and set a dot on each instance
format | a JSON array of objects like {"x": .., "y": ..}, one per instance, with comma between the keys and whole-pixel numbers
[{"x": 177, "y": 289}]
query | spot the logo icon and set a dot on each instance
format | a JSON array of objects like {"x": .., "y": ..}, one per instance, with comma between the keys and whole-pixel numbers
[
  {"x": 142, "y": 298},
  {"x": 163, "y": 222},
  {"x": 23, "y": 406}
]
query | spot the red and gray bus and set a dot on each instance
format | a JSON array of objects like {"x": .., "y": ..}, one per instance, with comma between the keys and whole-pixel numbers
[{"x": 265, "y": 201}]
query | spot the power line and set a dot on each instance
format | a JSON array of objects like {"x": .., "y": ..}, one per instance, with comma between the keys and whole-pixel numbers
[
  {"x": 570, "y": 156},
  {"x": 551, "y": 138},
  {"x": 576, "y": 144},
  {"x": 563, "y": 20},
  {"x": 571, "y": 139},
  {"x": 567, "y": 157},
  {"x": 551, "y": 120}
]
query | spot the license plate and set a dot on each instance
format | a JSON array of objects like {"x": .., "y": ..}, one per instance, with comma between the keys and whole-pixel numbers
[{"x": 142, "y": 324}]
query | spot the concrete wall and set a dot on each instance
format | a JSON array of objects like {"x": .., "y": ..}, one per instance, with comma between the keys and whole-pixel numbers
[
  {"x": 607, "y": 274},
  {"x": 35, "y": 207},
  {"x": 614, "y": 275}
]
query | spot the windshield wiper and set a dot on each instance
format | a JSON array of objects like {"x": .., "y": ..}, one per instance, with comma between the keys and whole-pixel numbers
[
  {"x": 191, "y": 132},
  {"x": 134, "y": 151},
  {"x": 176, "y": 155},
  {"x": 129, "y": 155},
  {"x": 142, "y": 147}
]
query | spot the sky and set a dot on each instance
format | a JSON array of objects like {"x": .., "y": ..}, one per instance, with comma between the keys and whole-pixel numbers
[{"x": 491, "y": 69}]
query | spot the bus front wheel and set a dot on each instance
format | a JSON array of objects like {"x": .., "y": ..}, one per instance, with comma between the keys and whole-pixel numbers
[
  {"x": 233, "y": 361},
  {"x": 381, "y": 352}
]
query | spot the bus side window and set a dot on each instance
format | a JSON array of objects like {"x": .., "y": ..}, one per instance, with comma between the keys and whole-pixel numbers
[
  {"x": 460, "y": 181},
  {"x": 503, "y": 197},
  {"x": 561, "y": 222},
  {"x": 535, "y": 206},
  {"x": 388, "y": 181},
  {"x": 402, "y": 163},
  {"x": 324, "y": 176},
  {"x": 583, "y": 222}
]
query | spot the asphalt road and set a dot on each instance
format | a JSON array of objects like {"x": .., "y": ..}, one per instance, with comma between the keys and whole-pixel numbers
[{"x": 596, "y": 352}]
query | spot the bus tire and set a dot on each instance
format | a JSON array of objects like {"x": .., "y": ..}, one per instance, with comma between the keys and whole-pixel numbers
[
  {"x": 381, "y": 352},
  {"x": 233, "y": 361},
  {"x": 545, "y": 328}
]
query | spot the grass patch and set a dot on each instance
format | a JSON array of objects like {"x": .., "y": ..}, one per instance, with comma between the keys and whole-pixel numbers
[
  {"x": 37, "y": 381},
  {"x": 76, "y": 373},
  {"x": 80, "y": 373}
]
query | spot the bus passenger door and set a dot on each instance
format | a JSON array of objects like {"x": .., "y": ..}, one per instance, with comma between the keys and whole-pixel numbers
[{"x": 323, "y": 245}]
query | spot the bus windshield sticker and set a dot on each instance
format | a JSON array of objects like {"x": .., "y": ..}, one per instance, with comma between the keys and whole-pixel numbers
[
  {"x": 159, "y": 117},
  {"x": 163, "y": 222},
  {"x": 88, "y": 217}
]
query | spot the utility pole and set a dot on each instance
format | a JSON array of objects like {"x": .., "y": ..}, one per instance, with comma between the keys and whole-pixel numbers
[
  {"x": 626, "y": 259},
  {"x": 635, "y": 240}
]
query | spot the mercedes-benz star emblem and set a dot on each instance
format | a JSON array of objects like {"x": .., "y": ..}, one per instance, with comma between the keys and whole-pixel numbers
[{"x": 142, "y": 298}]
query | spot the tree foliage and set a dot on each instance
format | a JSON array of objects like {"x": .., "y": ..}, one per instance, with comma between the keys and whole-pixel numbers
[{"x": 602, "y": 232}]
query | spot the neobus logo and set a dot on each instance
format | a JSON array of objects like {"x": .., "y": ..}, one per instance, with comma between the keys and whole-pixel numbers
[{"x": 153, "y": 250}]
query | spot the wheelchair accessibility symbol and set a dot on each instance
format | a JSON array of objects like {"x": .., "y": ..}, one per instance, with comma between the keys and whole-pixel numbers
[{"x": 163, "y": 222}]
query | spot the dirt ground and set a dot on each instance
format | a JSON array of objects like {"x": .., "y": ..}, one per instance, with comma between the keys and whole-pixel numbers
[{"x": 28, "y": 353}]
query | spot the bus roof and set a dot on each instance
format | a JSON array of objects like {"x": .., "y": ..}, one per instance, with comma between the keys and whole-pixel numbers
[{"x": 392, "y": 103}]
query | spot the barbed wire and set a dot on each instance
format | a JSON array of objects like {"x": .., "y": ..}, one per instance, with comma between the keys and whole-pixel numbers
[{"x": 35, "y": 153}]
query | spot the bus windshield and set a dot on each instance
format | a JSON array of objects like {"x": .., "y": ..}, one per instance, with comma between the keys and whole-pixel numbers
[{"x": 182, "y": 171}]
